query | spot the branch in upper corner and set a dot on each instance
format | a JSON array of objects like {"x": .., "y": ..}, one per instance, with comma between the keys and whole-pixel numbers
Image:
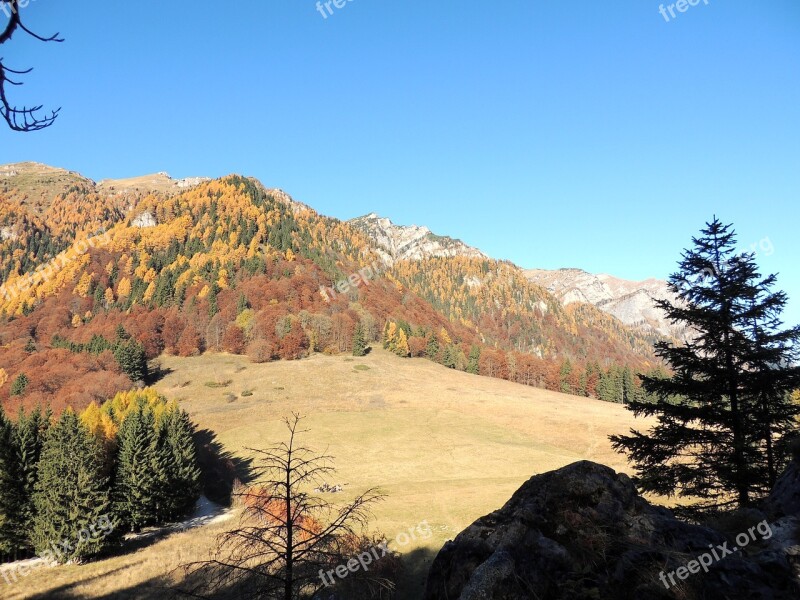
[{"x": 24, "y": 118}]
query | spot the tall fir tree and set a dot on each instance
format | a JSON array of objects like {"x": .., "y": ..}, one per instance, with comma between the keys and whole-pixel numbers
[
  {"x": 10, "y": 498},
  {"x": 71, "y": 492},
  {"x": 31, "y": 430},
  {"x": 359, "y": 341},
  {"x": 564, "y": 377},
  {"x": 473, "y": 366},
  {"x": 432, "y": 347},
  {"x": 135, "y": 490},
  {"x": 450, "y": 356},
  {"x": 183, "y": 467},
  {"x": 726, "y": 402}
]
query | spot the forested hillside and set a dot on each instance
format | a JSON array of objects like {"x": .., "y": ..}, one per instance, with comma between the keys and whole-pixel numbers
[{"x": 96, "y": 284}]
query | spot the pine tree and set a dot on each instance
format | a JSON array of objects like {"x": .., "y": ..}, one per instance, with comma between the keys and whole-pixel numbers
[
  {"x": 183, "y": 470},
  {"x": 473, "y": 366},
  {"x": 30, "y": 432},
  {"x": 19, "y": 384},
  {"x": 71, "y": 493},
  {"x": 135, "y": 492},
  {"x": 450, "y": 356},
  {"x": 727, "y": 401},
  {"x": 359, "y": 341},
  {"x": 563, "y": 376},
  {"x": 630, "y": 393},
  {"x": 432, "y": 348},
  {"x": 132, "y": 358},
  {"x": 242, "y": 304},
  {"x": 609, "y": 385},
  {"x": 166, "y": 487},
  {"x": 10, "y": 499}
]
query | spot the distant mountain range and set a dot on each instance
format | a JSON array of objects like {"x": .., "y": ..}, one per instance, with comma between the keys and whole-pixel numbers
[
  {"x": 632, "y": 302},
  {"x": 180, "y": 257}
]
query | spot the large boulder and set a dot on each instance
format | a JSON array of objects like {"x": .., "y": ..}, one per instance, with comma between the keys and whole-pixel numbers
[
  {"x": 583, "y": 532},
  {"x": 785, "y": 497}
]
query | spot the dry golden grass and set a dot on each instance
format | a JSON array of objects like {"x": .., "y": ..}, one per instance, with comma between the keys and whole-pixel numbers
[
  {"x": 446, "y": 447},
  {"x": 155, "y": 182}
]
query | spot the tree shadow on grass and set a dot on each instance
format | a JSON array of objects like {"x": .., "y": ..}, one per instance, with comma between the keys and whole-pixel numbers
[
  {"x": 178, "y": 584},
  {"x": 220, "y": 468},
  {"x": 416, "y": 565}
]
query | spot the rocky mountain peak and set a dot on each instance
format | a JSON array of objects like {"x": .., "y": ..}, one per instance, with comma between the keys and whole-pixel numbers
[
  {"x": 411, "y": 242},
  {"x": 632, "y": 302}
]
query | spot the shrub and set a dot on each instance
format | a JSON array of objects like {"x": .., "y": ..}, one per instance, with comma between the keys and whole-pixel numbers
[{"x": 261, "y": 351}]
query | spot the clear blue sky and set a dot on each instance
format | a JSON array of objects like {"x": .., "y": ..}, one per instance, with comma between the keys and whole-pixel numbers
[{"x": 554, "y": 133}]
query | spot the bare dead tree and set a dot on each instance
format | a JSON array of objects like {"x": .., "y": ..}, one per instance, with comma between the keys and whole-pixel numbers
[
  {"x": 286, "y": 537},
  {"x": 25, "y": 118}
]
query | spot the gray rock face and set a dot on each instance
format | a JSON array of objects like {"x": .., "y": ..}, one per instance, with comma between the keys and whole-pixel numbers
[
  {"x": 583, "y": 532},
  {"x": 398, "y": 242},
  {"x": 144, "y": 220},
  {"x": 785, "y": 497},
  {"x": 632, "y": 302}
]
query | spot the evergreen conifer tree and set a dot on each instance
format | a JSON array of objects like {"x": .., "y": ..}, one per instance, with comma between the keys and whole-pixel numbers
[
  {"x": 432, "y": 348},
  {"x": 473, "y": 366},
  {"x": 71, "y": 493},
  {"x": 727, "y": 402},
  {"x": 359, "y": 341},
  {"x": 31, "y": 430},
  {"x": 135, "y": 490},
  {"x": 10, "y": 500},
  {"x": 184, "y": 471}
]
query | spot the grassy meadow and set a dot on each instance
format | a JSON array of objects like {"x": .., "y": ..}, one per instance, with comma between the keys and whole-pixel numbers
[{"x": 445, "y": 447}]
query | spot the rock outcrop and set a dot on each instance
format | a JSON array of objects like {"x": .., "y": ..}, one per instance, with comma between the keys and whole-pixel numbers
[
  {"x": 632, "y": 302},
  {"x": 412, "y": 242},
  {"x": 583, "y": 532},
  {"x": 784, "y": 500}
]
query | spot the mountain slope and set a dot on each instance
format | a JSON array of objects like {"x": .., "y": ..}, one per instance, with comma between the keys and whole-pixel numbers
[
  {"x": 632, "y": 302},
  {"x": 232, "y": 265}
]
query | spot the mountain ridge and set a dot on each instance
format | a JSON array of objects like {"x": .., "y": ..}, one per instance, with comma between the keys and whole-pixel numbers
[
  {"x": 632, "y": 302},
  {"x": 175, "y": 271}
]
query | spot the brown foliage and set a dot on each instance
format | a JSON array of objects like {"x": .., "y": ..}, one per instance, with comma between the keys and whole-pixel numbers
[
  {"x": 261, "y": 351},
  {"x": 233, "y": 340},
  {"x": 189, "y": 343},
  {"x": 294, "y": 344},
  {"x": 417, "y": 345}
]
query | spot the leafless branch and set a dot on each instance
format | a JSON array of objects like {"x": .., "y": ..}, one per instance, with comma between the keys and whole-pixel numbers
[{"x": 24, "y": 118}]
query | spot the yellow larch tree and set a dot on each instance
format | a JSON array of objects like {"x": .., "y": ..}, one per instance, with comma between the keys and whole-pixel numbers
[
  {"x": 124, "y": 288},
  {"x": 83, "y": 285}
]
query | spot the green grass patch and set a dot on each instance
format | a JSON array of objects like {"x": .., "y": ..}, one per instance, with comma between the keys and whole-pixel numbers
[{"x": 218, "y": 384}]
